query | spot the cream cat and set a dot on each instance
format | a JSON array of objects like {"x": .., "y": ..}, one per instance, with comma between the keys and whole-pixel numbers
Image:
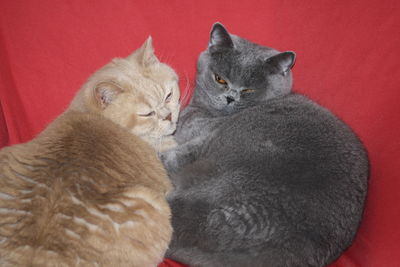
[{"x": 88, "y": 191}]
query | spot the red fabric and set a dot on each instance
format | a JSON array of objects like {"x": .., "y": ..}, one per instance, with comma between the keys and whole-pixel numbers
[
  {"x": 171, "y": 263},
  {"x": 347, "y": 60}
]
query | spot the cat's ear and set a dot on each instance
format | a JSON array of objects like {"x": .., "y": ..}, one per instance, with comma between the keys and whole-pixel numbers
[
  {"x": 105, "y": 93},
  {"x": 145, "y": 54},
  {"x": 283, "y": 61},
  {"x": 219, "y": 37}
]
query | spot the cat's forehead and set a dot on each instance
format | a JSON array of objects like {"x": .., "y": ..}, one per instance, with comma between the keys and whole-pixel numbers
[
  {"x": 157, "y": 75},
  {"x": 245, "y": 45},
  {"x": 162, "y": 73},
  {"x": 148, "y": 85},
  {"x": 151, "y": 93},
  {"x": 137, "y": 102},
  {"x": 244, "y": 54},
  {"x": 245, "y": 64}
]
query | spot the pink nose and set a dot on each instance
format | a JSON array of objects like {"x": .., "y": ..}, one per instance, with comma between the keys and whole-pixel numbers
[{"x": 168, "y": 117}]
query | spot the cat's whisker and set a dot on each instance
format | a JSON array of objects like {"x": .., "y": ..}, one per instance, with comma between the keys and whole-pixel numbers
[
  {"x": 169, "y": 59},
  {"x": 187, "y": 93},
  {"x": 165, "y": 58},
  {"x": 161, "y": 57}
]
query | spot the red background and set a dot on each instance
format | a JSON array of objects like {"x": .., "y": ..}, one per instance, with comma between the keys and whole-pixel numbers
[{"x": 347, "y": 60}]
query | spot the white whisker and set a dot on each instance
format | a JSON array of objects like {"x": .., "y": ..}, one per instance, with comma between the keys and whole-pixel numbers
[{"x": 187, "y": 92}]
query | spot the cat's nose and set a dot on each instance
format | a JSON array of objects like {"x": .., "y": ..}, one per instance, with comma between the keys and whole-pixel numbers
[
  {"x": 229, "y": 99},
  {"x": 168, "y": 117}
]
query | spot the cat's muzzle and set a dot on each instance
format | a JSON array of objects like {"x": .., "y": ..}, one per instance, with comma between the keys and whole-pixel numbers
[{"x": 229, "y": 99}]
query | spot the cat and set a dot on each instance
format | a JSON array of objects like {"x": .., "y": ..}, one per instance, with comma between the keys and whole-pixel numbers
[
  {"x": 90, "y": 189},
  {"x": 263, "y": 176}
]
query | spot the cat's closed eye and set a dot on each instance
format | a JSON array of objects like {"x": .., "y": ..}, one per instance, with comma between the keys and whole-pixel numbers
[
  {"x": 168, "y": 98},
  {"x": 245, "y": 91},
  {"x": 219, "y": 79},
  {"x": 151, "y": 113}
]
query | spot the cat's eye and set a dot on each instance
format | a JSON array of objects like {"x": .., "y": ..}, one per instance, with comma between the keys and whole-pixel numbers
[
  {"x": 219, "y": 79},
  {"x": 245, "y": 91},
  {"x": 168, "y": 98},
  {"x": 152, "y": 113}
]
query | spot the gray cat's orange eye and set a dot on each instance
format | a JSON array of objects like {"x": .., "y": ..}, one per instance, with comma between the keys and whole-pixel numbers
[
  {"x": 248, "y": 91},
  {"x": 152, "y": 113},
  {"x": 219, "y": 79}
]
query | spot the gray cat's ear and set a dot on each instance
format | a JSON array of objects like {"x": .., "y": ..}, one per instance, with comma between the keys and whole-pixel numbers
[
  {"x": 105, "y": 93},
  {"x": 219, "y": 37},
  {"x": 283, "y": 61},
  {"x": 145, "y": 54}
]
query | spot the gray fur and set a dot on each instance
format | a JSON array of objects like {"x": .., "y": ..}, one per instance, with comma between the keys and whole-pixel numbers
[{"x": 269, "y": 179}]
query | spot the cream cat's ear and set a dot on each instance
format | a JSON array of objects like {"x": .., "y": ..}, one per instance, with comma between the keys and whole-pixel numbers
[
  {"x": 145, "y": 54},
  {"x": 105, "y": 93}
]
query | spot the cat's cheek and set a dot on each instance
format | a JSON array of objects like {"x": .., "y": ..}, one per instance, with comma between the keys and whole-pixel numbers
[
  {"x": 131, "y": 122},
  {"x": 142, "y": 128}
]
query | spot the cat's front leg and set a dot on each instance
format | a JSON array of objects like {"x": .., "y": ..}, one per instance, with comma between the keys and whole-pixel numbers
[{"x": 176, "y": 158}]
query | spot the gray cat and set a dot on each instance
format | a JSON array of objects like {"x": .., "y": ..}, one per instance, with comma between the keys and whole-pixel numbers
[{"x": 263, "y": 176}]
